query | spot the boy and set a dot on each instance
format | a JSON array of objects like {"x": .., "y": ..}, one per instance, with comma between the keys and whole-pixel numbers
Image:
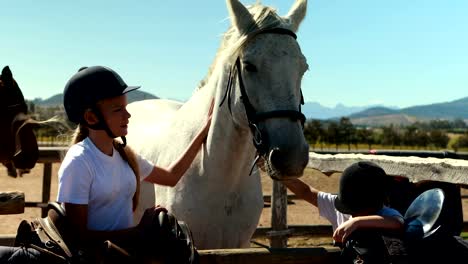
[{"x": 359, "y": 203}]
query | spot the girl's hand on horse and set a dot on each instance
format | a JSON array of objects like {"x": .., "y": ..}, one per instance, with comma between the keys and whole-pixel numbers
[
  {"x": 208, "y": 122},
  {"x": 210, "y": 112}
]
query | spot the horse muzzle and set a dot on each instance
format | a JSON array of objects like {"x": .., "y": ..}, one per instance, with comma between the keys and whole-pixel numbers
[{"x": 282, "y": 163}]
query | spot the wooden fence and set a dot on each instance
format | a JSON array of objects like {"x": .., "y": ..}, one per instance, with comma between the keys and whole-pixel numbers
[{"x": 13, "y": 202}]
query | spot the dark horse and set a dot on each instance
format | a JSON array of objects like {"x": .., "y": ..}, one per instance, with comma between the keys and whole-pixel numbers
[{"x": 18, "y": 143}]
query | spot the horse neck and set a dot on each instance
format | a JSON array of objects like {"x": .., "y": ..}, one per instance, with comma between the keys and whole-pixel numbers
[{"x": 229, "y": 144}]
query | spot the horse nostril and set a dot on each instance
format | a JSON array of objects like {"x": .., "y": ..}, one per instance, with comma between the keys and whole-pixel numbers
[
  {"x": 275, "y": 158},
  {"x": 283, "y": 163}
]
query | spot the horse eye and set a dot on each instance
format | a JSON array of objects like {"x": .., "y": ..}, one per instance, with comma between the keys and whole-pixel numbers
[{"x": 250, "y": 67}]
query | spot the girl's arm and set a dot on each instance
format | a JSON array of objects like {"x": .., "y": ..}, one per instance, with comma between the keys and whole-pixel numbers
[{"x": 170, "y": 176}]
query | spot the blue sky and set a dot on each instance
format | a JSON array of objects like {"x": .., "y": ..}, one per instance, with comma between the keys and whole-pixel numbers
[{"x": 397, "y": 53}]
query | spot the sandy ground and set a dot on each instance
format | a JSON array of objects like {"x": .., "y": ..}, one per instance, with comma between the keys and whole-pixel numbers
[{"x": 300, "y": 213}]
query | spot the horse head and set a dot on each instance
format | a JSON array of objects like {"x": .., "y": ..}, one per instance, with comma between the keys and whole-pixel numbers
[
  {"x": 266, "y": 67},
  {"x": 12, "y": 99},
  {"x": 18, "y": 145}
]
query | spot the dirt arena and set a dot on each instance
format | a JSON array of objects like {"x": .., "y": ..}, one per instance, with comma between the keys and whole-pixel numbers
[{"x": 300, "y": 213}]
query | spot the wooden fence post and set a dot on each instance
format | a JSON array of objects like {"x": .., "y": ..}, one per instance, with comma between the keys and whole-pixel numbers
[
  {"x": 46, "y": 186},
  {"x": 279, "y": 205}
]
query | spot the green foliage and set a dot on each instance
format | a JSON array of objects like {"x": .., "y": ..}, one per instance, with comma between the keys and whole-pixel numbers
[
  {"x": 460, "y": 142},
  {"x": 313, "y": 132},
  {"x": 430, "y": 135},
  {"x": 464, "y": 235}
]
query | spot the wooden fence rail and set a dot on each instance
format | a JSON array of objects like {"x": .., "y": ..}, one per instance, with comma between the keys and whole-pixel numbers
[{"x": 322, "y": 255}]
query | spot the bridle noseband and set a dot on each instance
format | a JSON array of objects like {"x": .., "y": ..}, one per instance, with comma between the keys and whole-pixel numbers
[{"x": 253, "y": 116}]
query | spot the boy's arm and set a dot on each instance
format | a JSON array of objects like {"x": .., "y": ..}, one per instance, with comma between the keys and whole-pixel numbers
[
  {"x": 302, "y": 190},
  {"x": 388, "y": 223}
]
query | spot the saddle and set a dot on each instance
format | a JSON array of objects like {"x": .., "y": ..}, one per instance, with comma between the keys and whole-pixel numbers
[
  {"x": 179, "y": 241},
  {"x": 45, "y": 235},
  {"x": 426, "y": 238},
  {"x": 370, "y": 247},
  {"x": 166, "y": 240}
]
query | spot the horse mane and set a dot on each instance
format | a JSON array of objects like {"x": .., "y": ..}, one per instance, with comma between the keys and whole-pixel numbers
[{"x": 265, "y": 17}]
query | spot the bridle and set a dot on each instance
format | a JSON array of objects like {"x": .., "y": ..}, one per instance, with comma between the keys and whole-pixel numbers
[{"x": 253, "y": 116}]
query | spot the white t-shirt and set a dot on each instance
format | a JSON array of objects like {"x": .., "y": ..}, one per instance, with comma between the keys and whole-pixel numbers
[
  {"x": 326, "y": 206},
  {"x": 105, "y": 183}
]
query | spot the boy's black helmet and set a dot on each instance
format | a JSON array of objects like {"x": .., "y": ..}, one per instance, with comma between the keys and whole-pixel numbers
[
  {"x": 362, "y": 187},
  {"x": 88, "y": 86}
]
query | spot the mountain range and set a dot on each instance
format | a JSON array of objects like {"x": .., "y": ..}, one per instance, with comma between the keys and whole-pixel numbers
[
  {"x": 457, "y": 109},
  {"x": 362, "y": 115},
  {"x": 314, "y": 110},
  {"x": 57, "y": 100}
]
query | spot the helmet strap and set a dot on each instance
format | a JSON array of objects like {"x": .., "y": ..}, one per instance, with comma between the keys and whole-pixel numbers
[
  {"x": 102, "y": 125},
  {"x": 124, "y": 141}
]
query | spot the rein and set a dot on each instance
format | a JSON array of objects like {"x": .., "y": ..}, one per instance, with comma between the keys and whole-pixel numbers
[{"x": 253, "y": 116}]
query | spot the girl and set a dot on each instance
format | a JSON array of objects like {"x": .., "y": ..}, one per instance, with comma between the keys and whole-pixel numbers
[{"x": 99, "y": 176}]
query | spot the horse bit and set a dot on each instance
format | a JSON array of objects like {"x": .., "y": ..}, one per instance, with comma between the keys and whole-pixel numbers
[{"x": 253, "y": 116}]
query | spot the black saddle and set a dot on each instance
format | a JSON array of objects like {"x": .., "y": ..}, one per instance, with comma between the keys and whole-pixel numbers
[{"x": 168, "y": 241}]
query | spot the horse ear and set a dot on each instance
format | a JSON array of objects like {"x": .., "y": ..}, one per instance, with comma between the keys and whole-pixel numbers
[
  {"x": 7, "y": 76},
  {"x": 240, "y": 16},
  {"x": 297, "y": 14}
]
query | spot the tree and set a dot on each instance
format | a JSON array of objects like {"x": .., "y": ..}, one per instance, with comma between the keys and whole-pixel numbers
[
  {"x": 390, "y": 136},
  {"x": 409, "y": 135},
  {"x": 347, "y": 131},
  {"x": 365, "y": 136},
  {"x": 333, "y": 134},
  {"x": 461, "y": 142},
  {"x": 313, "y": 132},
  {"x": 421, "y": 139},
  {"x": 459, "y": 123},
  {"x": 439, "y": 124},
  {"x": 438, "y": 138}
]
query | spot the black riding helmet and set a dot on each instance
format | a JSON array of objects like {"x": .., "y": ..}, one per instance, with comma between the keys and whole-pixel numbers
[
  {"x": 362, "y": 187},
  {"x": 88, "y": 86}
]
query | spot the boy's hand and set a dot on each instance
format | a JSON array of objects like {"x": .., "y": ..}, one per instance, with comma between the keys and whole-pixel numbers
[{"x": 344, "y": 230}]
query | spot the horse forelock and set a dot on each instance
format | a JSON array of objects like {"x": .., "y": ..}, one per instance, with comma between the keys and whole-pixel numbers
[{"x": 233, "y": 42}]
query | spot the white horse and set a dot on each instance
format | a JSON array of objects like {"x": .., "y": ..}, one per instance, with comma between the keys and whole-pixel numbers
[{"x": 255, "y": 82}]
